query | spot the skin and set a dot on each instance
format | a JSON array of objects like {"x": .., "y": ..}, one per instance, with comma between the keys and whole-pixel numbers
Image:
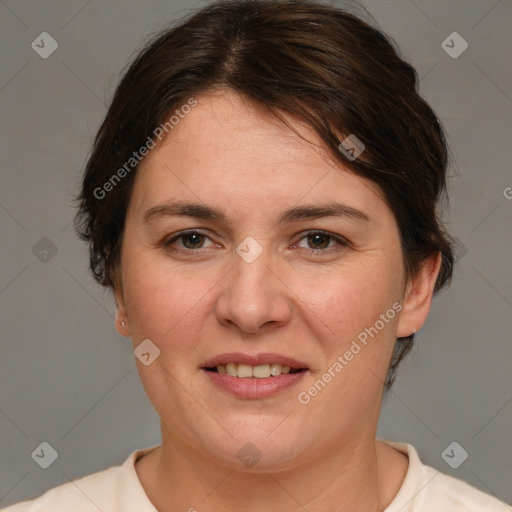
[{"x": 200, "y": 302}]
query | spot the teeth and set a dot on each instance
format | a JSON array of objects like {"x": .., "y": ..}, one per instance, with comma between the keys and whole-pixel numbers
[
  {"x": 231, "y": 369},
  {"x": 275, "y": 369},
  {"x": 245, "y": 371},
  {"x": 262, "y": 371}
]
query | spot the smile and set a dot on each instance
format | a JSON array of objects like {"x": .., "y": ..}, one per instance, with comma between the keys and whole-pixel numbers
[
  {"x": 261, "y": 371},
  {"x": 251, "y": 376}
]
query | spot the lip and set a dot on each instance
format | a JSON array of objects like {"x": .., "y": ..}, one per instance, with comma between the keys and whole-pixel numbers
[
  {"x": 252, "y": 387},
  {"x": 254, "y": 360}
]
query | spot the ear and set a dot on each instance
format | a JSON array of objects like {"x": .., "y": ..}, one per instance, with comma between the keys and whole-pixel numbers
[
  {"x": 121, "y": 321},
  {"x": 418, "y": 297}
]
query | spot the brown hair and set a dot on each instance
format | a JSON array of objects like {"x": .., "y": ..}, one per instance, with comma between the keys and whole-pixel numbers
[{"x": 322, "y": 65}]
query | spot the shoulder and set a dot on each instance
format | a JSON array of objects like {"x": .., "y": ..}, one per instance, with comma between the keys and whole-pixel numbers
[
  {"x": 86, "y": 494},
  {"x": 427, "y": 489},
  {"x": 110, "y": 489},
  {"x": 451, "y": 494}
]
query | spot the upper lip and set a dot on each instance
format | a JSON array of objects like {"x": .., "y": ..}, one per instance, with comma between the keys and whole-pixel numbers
[{"x": 253, "y": 360}]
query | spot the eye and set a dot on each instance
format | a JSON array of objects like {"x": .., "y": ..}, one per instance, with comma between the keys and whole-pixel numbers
[
  {"x": 187, "y": 241},
  {"x": 321, "y": 241}
]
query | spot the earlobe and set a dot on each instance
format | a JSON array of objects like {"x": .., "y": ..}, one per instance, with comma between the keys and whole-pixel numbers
[
  {"x": 418, "y": 297},
  {"x": 121, "y": 321},
  {"x": 122, "y": 325}
]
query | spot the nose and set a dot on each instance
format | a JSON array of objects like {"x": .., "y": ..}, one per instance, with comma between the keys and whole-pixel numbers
[{"x": 253, "y": 296}]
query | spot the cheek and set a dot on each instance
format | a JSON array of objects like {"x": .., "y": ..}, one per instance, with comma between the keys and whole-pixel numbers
[
  {"x": 167, "y": 305},
  {"x": 344, "y": 302}
]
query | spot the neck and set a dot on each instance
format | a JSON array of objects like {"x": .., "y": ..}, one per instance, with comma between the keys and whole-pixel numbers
[{"x": 357, "y": 475}]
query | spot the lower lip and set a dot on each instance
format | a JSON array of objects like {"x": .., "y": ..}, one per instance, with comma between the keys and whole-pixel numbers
[{"x": 253, "y": 387}]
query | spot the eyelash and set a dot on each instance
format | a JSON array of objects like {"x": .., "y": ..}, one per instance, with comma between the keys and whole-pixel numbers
[{"x": 341, "y": 243}]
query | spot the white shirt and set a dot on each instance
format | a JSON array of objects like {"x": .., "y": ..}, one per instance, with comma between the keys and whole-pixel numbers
[{"x": 118, "y": 489}]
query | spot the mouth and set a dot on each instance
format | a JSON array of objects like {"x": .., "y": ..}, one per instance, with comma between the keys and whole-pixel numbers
[
  {"x": 259, "y": 366},
  {"x": 254, "y": 376},
  {"x": 247, "y": 371}
]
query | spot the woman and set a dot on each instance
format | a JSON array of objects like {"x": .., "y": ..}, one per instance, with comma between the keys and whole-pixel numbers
[{"x": 261, "y": 199}]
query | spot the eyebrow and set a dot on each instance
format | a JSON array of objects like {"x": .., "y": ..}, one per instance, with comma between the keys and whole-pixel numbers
[{"x": 202, "y": 211}]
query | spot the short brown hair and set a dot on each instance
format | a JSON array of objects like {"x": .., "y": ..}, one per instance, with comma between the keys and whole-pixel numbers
[{"x": 319, "y": 64}]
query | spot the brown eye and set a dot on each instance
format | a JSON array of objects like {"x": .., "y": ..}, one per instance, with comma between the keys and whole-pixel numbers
[
  {"x": 188, "y": 241},
  {"x": 193, "y": 240},
  {"x": 318, "y": 240}
]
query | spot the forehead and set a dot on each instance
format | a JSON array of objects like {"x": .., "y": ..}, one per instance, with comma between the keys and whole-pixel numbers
[{"x": 228, "y": 147}]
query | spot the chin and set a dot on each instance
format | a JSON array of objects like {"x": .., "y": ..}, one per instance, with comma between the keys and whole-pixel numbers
[{"x": 259, "y": 444}]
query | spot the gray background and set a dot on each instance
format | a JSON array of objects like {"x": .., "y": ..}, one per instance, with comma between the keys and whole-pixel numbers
[{"x": 67, "y": 377}]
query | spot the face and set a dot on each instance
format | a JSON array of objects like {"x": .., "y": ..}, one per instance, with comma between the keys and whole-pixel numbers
[{"x": 248, "y": 250}]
